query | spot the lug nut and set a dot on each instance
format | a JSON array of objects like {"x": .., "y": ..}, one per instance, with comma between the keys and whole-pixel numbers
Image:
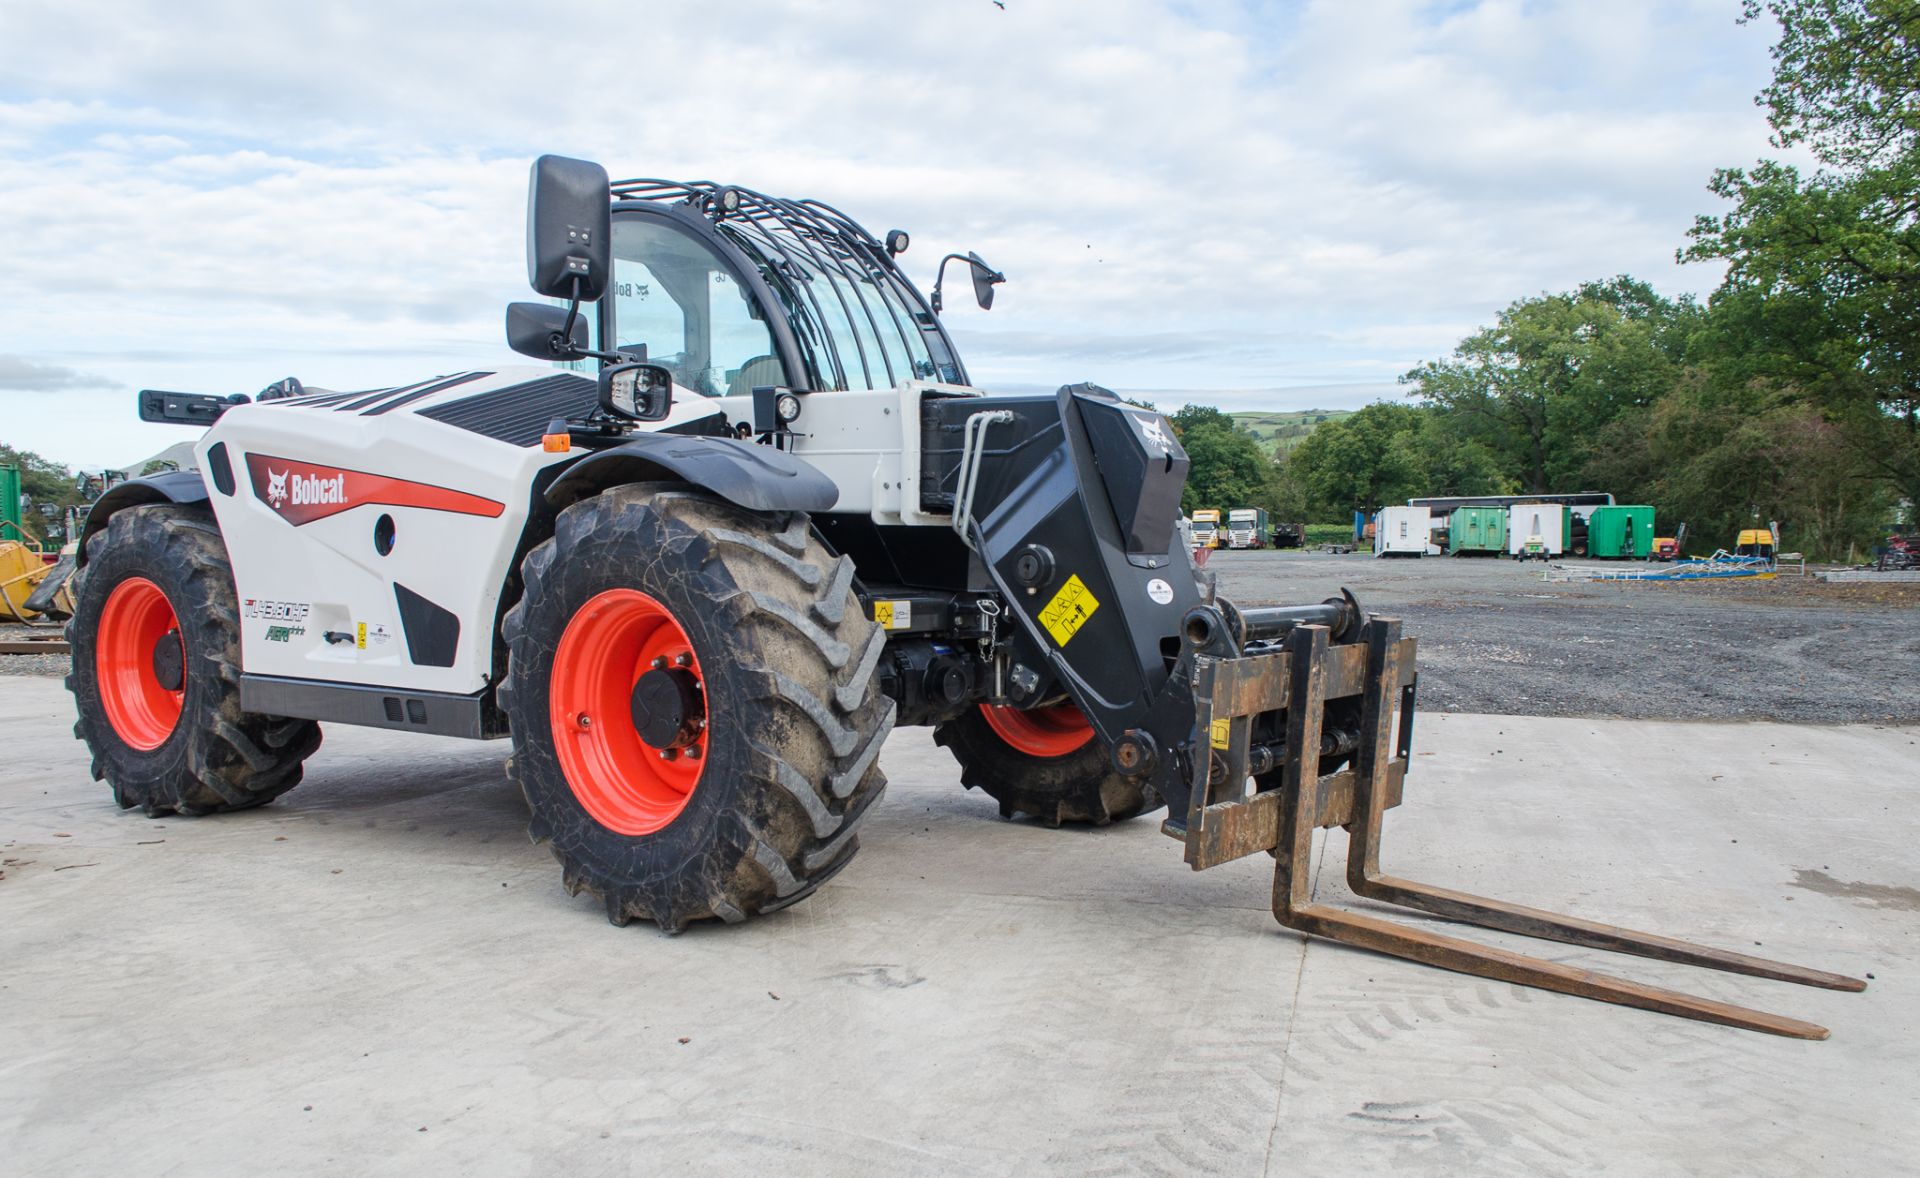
[
  {"x": 693, "y": 752},
  {"x": 660, "y": 663},
  {"x": 667, "y": 754},
  {"x": 585, "y": 721},
  {"x": 685, "y": 659}
]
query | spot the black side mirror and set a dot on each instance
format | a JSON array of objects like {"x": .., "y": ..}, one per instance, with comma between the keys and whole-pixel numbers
[
  {"x": 569, "y": 229},
  {"x": 185, "y": 408},
  {"x": 540, "y": 330},
  {"x": 985, "y": 278},
  {"x": 637, "y": 392}
]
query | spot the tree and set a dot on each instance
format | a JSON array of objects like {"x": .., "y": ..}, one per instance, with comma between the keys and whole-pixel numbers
[
  {"x": 1535, "y": 389},
  {"x": 1360, "y": 462},
  {"x": 41, "y": 481},
  {"x": 1229, "y": 467},
  {"x": 1845, "y": 73},
  {"x": 1824, "y": 270}
]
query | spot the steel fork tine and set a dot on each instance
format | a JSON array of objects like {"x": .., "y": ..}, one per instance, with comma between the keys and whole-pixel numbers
[
  {"x": 1384, "y": 936},
  {"x": 1293, "y": 906},
  {"x": 1553, "y": 926}
]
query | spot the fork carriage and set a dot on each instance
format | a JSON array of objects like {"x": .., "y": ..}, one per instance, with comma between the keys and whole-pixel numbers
[{"x": 1265, "y": 717}]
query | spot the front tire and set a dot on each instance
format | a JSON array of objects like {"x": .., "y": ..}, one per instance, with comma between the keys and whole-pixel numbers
[
  {"x": 1046, "y": 763},
  {"x": 156, "y": 672},
  {"x": 658, "y": 620}
]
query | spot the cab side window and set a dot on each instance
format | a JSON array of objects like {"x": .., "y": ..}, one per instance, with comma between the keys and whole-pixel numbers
[{"x": 674, "y": 295}]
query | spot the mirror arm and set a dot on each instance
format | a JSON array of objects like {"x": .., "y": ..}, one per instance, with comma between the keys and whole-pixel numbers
[
  {"x": 940, "y": 277},
  {"x": 573, "y": 313},
  {"x": 560, "y": 345}
]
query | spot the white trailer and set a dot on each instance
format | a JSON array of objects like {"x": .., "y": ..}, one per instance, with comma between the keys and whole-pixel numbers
[
  {"x": 1548, "y": 521},
  {"x": 1402, "y": 531}
]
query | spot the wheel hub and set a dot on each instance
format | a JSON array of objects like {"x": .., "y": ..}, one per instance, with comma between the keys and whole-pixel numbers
[
  {"x": 169, "y": 661},
  {"x": 668, "y": 708}
]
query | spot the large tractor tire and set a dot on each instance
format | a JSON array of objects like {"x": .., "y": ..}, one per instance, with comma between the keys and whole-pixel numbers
[
  {"x": 696, "y": 719},
  {"x": 1045, "y": 762},
  {"x": 156, "y": 672}
]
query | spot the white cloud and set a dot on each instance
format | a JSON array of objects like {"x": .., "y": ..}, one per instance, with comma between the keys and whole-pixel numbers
[
  {"x": 1225, "y": 196},
  {"x": 24, "y": 376}
]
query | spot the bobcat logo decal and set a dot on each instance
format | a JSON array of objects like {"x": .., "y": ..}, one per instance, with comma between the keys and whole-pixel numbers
[{"x": 301, "y": 492}]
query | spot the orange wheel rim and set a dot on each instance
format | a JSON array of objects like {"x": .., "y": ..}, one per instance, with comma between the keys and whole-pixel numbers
[
  {"x": 625, "y": 784},
  {"x": 1052, "y": 731},
  {"x": 136, "y": 620}
]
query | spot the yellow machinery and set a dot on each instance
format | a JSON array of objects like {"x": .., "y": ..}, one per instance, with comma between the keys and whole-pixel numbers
[
  {"x": 1755, "y": 542},
  {"x": 23, "y": 565}
]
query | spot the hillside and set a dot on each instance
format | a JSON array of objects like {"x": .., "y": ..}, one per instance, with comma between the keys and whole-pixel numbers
[{"x": 1279, "y": 432}]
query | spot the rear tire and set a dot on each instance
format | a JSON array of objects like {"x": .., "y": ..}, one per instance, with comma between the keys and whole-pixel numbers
[
  {"x": 781, "y": 659},
  {"x": 159, "y": 574},
  {"x": 1079, "y": 786}
]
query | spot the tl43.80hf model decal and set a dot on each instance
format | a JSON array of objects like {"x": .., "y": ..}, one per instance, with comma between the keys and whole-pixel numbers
[{"x": 301, "y": 492}]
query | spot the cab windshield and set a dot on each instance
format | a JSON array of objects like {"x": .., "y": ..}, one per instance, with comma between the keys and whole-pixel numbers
[
  {"x": 673, "y": 295},
  {"x": 856, "y": 328}
]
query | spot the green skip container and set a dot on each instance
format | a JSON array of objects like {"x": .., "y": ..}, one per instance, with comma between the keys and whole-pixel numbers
[
  {"x": 1477, "y": 529},
  {"x": 1620, "y": 532}
]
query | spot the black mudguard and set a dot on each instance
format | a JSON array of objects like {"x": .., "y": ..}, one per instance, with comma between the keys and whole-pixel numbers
[
  {"x": 172, "y": 486},
  {"x": 758, "y": 478}
]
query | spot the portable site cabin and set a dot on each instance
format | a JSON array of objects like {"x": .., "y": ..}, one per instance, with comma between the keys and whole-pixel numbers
[
  {"x": 1552, "y": 522},
  {"x": 1620, "y": 533},
  {"x": 1402, "y": 531},
  {"x": 1477, "y": 529},
  {"x": 10, "y": 503}
]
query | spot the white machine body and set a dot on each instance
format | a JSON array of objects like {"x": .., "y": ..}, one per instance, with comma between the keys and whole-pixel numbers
[{"x": 372, "y": 534}]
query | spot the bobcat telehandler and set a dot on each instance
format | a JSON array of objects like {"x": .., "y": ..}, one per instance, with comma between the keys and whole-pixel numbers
[{"x": 698, "y": 587}]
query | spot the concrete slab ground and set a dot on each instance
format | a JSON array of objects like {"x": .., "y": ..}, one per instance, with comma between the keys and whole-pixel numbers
[{"x": 379, "y": 975}]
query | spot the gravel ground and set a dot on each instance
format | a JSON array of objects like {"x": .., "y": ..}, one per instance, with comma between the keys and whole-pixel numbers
[
  {"x": 1496, "y": 637},
  {"x": 31, "y": 664}
]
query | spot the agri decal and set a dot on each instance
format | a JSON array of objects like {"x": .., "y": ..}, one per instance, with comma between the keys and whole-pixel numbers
[{"x": 301, "y": 492}]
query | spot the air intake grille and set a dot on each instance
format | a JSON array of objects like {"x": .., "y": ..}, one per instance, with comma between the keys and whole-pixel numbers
[{"x": 518, "y": 414}]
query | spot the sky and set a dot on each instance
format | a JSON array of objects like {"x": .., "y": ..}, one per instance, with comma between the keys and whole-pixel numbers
[{"x": 1245, "y": 203}]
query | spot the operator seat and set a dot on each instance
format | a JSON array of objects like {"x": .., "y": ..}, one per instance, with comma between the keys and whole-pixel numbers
[{"x": 759, "y": 372}]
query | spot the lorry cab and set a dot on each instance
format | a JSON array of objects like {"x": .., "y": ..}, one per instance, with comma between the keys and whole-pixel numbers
[
  {"x": 1247, "y": 528},
  {"x": 1206, "y": 528}
]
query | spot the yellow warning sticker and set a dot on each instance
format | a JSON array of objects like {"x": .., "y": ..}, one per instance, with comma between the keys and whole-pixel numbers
[
  {"x": 1069, "y": 610},
  {"x": 362, "y": 637},
  {"x": 1219, "y": 732},
  {"x": 893, "y": 615}
]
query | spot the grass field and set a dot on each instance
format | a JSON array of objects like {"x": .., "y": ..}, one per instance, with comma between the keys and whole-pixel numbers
[
  {"x": 1280, "y": 432},
  {"x": 1318, "y": 534}
]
